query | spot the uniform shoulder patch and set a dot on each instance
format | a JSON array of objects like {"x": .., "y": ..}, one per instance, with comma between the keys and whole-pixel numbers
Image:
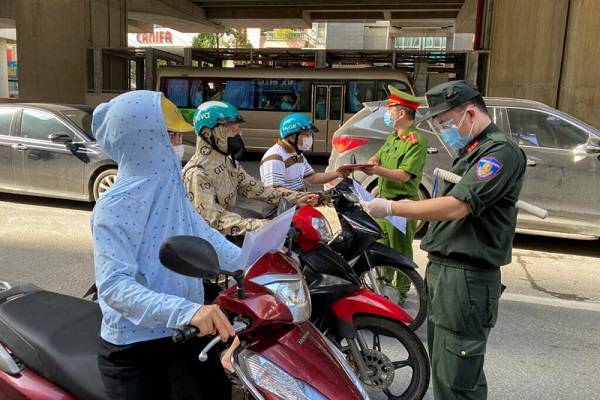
[
  {"x": 488, "y": 167},
  {"x": 413, "y": 138},
  {"x": 499, "y": 137}
]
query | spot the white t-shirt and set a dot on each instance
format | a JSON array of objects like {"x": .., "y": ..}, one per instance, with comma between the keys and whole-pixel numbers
[{"x": 281, "y": 166}]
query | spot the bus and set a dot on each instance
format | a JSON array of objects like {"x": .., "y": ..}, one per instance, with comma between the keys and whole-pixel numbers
[{"x": 265, "y": 95}]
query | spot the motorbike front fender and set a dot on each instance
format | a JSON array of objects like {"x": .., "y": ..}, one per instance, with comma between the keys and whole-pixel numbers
[
  {"x": 381, "y": 255},
  {"x": 363, "y": 301}
]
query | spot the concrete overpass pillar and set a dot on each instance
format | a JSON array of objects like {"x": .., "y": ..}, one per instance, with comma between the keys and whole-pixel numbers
[
  {"x": 578, "y": 91},
  {"x": 53, "y": 38},
  {"x": 526, "y": 46},
  {"x": 3, "y": 71}
]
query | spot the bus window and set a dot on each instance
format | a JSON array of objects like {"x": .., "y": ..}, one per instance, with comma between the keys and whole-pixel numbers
[
  {"x": 176, "y": 90},
  {"x": 240, "y": 93},
  {"x": 335, "y": 103},
  {"x": 283, "y": 94},
  {"x": 197, "y": 92},
  {"x": 358, "y": 93},
  {"x": 321, "y": 104},
  {"x": 383, "y": 92}
]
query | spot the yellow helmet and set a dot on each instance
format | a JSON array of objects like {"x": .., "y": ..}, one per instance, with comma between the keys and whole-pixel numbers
[{"x": 173, "y": 118}]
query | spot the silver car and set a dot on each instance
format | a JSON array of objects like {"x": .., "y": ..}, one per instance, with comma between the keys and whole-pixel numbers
[{"x": 563, "y": 161}]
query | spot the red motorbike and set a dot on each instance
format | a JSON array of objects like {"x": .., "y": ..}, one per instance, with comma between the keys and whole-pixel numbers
[
  {"x": 48, "y": 341},
  {"x": 369, "y": 329}
]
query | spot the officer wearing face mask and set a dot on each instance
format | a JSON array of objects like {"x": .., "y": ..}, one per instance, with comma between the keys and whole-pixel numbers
[
  {"x": 470, "y": 239},
  {"x": 284, "y": 166},
  {"x": 229, "y": 199},
  {"x": 399, "y": 164}
]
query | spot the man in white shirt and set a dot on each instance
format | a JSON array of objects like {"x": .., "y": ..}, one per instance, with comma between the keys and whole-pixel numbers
[{"x": 284, "y": 167}]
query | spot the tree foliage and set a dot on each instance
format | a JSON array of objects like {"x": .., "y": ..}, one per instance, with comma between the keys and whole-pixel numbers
[
  {"x": 284, "y": 33},
  {"x": 231, "y": 38}
]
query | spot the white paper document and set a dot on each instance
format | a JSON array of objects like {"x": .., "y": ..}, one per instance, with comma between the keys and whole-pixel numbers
[
  {"x": 398, "y": 222},
  {"x": 268, "y": 237}
]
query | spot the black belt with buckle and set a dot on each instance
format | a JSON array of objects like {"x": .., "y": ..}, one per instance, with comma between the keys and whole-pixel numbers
[{"x": 401, "y": 197}]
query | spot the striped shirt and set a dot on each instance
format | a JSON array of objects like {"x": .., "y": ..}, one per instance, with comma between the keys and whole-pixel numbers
[{"x": 281, "y": 166}]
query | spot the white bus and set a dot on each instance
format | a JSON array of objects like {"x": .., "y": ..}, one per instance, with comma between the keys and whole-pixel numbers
[{"x": 265, "y": 95}]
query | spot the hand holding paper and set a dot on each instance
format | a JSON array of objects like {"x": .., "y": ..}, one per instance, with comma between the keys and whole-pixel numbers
[
  {"x": 353, "y": 167},
  {"x": 377, "y": 208},
  {"x": 384, "y": 207}
]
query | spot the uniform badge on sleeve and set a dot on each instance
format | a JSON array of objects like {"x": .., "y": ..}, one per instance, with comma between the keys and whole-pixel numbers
[{"x": 488, "y": 167}]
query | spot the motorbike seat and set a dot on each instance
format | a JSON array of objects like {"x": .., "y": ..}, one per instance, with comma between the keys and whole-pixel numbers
[{"x": 56, "y": 336}]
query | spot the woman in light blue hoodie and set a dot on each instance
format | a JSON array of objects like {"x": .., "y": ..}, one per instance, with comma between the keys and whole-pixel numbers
[{"x": 141, "y": 300}]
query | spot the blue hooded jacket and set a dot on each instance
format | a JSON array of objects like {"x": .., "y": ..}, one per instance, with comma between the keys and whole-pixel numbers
[{"x": 140, "y": 299}]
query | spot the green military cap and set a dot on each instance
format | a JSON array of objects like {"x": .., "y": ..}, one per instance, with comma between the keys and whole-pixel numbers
[
  {"x": 398, "y": 97},
  {"x": 446, "y": 96}
]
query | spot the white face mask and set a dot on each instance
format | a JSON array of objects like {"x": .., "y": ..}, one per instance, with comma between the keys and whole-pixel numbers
[
  {"x": 307, "y": 143},
  {"x": 179, "y": 151}
]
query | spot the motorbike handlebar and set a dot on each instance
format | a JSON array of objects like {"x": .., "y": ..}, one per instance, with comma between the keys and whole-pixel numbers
[
  {"x": 519, "y": 204},
  {"x": 185, "y": 333}
]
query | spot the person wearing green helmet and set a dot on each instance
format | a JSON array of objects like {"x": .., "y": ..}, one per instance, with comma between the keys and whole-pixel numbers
[
  {"x": 284, "y": 166},
  {"x": 230, "y": 200}
]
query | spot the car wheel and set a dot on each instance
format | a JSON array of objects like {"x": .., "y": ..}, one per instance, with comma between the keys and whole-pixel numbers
[{"x": 103, "y": 181}]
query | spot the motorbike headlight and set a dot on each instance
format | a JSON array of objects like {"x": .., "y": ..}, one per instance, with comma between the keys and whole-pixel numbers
[
  {"x": 270, "y": 377},
  {"x": 292, "y": 291},
  {"x": 322, "y": 227}
]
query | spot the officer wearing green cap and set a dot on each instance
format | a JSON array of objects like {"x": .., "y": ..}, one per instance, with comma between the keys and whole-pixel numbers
[
  {"x": 469, "y": 240},
  {"x": 399, "y": 164}
]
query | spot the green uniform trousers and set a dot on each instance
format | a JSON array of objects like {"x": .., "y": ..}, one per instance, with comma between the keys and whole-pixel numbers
[
  {"x": 462, "y": 309},
  {"x": 397, "y": 240}
]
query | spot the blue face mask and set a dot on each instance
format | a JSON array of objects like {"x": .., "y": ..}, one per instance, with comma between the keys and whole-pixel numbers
[
  {"x": 387, "y": 118},
  {"x": 452, "y": 137}
]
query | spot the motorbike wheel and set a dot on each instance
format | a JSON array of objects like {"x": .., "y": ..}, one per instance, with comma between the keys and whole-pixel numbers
[
  {"x": 395, "y": 359},
  {"x": 409, "y": 294}
]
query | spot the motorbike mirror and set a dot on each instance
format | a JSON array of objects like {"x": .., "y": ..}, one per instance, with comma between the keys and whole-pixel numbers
[
  {"x": 283, "y": 206},
  {"x": 190, "y": 256}
]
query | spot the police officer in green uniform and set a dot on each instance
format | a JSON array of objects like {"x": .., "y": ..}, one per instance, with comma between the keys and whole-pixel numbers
[
  {"x": 471, "y": 238},
  {"x": 399, "y": 164}
]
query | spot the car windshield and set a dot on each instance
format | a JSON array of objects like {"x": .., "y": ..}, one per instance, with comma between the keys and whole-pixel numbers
[{"x": 81, "y": 118}]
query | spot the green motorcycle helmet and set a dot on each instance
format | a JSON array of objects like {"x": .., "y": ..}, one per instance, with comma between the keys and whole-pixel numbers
[{"x": 211, "y": 113}]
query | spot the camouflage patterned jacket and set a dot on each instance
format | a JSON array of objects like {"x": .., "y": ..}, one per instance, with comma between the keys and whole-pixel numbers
[{"x": 214, "y": 181}]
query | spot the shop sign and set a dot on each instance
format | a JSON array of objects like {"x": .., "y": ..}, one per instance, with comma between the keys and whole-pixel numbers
[{"x": 160, "y": 37}]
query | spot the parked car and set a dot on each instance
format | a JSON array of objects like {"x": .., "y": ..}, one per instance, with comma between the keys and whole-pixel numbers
[
  {"x": 49, "y": 150},
  {"x": 563, "y": 161}
]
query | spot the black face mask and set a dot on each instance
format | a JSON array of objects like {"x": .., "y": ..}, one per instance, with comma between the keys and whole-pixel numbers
[{"x": 235, "y": 147}]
